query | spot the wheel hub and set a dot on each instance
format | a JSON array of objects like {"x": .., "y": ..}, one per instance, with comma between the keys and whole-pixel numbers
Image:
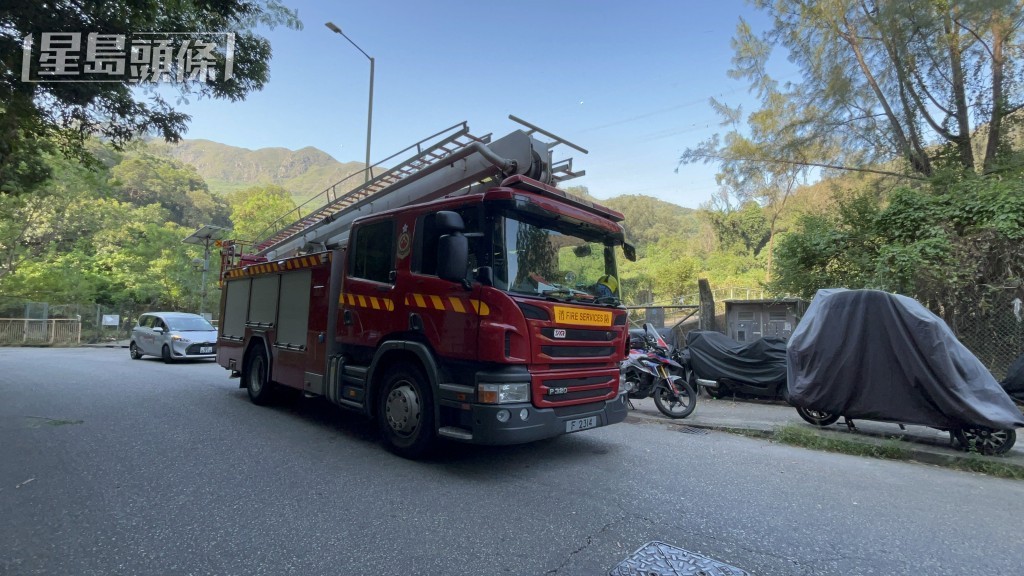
[
  {"x": 256, "y": 375},
  {"x": 402, "y": 409}
]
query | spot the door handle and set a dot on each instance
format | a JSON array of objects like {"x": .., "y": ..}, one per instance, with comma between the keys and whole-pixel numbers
[{"x": 346, "y": 317}]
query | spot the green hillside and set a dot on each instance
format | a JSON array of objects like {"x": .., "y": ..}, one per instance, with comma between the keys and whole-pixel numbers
[{"x": 304, "y": 172}]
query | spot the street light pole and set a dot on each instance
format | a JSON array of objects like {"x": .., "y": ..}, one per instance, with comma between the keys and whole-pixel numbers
[{"x": 369, "y": 113}]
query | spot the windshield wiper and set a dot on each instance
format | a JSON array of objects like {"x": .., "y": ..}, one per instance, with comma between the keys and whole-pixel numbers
[{"x": 568, "y": 293}]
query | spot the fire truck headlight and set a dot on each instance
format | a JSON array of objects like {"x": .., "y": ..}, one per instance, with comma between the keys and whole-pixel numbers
[
  {"x": 503, "y": 416},
  {"x": 503, "y": 393}
]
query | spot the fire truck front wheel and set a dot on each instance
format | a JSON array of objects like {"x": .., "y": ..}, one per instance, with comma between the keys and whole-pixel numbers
[
  {"x": 405, "y": 412},
  {"x": 257, "y": 377}
]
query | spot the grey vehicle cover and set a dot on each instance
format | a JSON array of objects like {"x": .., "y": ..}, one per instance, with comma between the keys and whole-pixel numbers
[
  {"x": 878, "y": 356},
  {"x": 714, "y": 356},
  {"x": 1014, "y": 381}
]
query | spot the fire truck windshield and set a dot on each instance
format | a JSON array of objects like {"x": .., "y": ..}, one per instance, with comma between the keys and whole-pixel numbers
[{"x": 547, "y": 259}]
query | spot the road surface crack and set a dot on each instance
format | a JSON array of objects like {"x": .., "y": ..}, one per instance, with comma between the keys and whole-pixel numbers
[{"x": 590, "y": 540}]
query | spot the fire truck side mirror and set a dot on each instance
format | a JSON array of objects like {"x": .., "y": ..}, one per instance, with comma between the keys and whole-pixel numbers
[
  {"x": 448, "y": 221},
  {"x": 630, "y": 251},
  {"x": 453, "y": 257},
  {"x": 485, "y": 275}
]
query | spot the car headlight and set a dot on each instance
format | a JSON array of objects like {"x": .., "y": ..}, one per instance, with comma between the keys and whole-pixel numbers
[
  {"x": 503, "y": 393},
  {"x": 177, "y": 338}
]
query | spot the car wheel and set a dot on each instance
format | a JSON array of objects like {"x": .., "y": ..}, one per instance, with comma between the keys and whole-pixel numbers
[
  {"x": 133, "y": 350},
  {"x": 257, "y": 378},
  {"x": 817, "y": 417},
  {"x": 984, "y": 440},
  {"x": 405, "y": 412},
  {"x": 165, "y": 353}
]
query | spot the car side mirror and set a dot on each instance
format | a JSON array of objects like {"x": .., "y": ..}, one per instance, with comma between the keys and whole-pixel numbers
[{"x": 158, "y": 329}]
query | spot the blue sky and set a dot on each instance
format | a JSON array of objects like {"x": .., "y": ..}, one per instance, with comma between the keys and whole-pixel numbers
[{"x": 629, "y": 81}]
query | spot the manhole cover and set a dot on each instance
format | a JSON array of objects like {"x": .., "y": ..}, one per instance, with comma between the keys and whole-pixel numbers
[
  {"x": 692, "y": 430},
  {"x": 660, "y": 559}
]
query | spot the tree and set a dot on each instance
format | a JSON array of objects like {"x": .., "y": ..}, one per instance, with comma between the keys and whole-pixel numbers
[
  {"x": 895, "y": 79},
  {"x": 142, "y": 179},
  {"x": 258, "y": 210},
  {"x": 943, "y": 246},
  {"x": 39, "y": 117},
  {"x": 765, "y": 162}
]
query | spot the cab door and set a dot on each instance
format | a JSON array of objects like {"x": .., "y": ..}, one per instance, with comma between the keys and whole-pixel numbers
[
  {"x": 448, "y": 314},
  {"x": 367, "y": 301}
]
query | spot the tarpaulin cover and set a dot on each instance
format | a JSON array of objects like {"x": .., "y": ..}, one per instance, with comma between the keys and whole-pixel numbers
[
  {"x": 1014, "y": 381},
  {"x": 879, "y": 356},
  {"x": 714, "y": 356}
]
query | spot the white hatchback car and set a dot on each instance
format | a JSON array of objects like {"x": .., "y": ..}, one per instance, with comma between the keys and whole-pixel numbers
[{"x": 173, "y": 336}]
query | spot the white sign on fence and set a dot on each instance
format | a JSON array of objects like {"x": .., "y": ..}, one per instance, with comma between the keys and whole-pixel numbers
[{"x": 111, "y": 319}]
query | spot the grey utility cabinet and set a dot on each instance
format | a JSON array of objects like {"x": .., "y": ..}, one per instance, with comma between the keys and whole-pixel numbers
[{"x": 748, "y": 320}]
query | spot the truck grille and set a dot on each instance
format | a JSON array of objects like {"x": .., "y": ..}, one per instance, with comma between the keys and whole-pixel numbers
[
  {"x": 575, "y": 390},
  {"x": 577, "y": 351}
]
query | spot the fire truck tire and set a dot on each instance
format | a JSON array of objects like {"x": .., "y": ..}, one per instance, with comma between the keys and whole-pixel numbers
[
  {"x": 405, "y": 412},
  {"x": 257, "y": 378}
]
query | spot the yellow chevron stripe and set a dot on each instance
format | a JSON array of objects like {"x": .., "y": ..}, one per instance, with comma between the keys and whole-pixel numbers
[
  {"x": 457, "y": 304},
  {"x": 389, "y": 305},
  {"x": 362, "y": 300},
  {"x": 438, "y": 304},
  {"x": 419, "y": 300},
  {"x": 481, "y": 308},
  {"x": 373, "y": 303}
]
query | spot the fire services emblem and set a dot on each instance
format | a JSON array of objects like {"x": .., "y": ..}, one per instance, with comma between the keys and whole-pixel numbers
[{"x": 404, "y": 243}]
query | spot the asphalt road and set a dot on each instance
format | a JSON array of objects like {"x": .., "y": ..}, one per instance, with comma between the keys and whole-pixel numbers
[{"x": 115, "y": 466}]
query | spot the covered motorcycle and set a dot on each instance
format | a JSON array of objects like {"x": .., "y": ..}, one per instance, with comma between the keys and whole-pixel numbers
[
  {"x": 873, "y": 355},
  {"x": 725, "y": 366},
  {"x": 1014, "y": 381}
]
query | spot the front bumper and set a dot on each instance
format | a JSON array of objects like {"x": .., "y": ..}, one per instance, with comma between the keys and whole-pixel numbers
[
  {"x": 193, "y": 350},
  {"x": 540, "y": 422}
]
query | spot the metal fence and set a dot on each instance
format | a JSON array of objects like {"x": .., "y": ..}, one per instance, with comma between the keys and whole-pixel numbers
[
  {"x": 25, "y": 322},
  {"x": 991, "y": 325},
  {"x": 28, "y": 332}
]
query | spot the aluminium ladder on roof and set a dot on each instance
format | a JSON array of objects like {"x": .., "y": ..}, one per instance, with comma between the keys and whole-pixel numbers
[
  {"x": 331, "y": 203},
  {"x": 454, "y": 162}
]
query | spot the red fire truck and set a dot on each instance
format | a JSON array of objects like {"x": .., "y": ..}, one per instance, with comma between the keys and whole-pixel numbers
[{"x": 458, "y": 295}]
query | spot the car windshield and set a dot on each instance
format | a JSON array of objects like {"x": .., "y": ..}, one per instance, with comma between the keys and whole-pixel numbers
[
  {"x": 189, "y": 324},
  {"x": 537, "y": 258}
]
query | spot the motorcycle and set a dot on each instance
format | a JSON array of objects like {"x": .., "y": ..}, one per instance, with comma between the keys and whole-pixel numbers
[
  {"x": 649, "y": 371},
  {"x": 725, "y": 367}
]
